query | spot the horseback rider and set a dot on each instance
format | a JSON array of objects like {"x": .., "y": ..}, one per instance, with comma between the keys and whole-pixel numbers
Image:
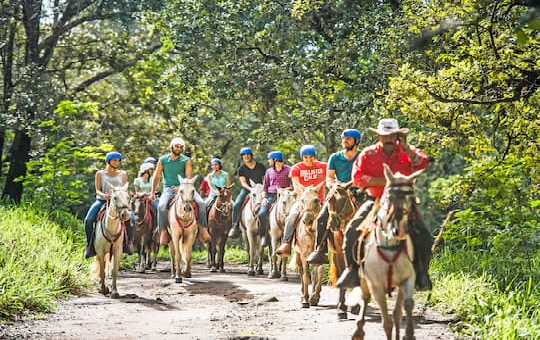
[
  {"x": 339, "y": 168},
  {"x": 218, "y": 178},
  {"x": 250, "y": 170},
  {"x": 171, "y": 165},
  {"x": 309, "y": 172},
  {"x": 117, "y": 178},
  {"x": 277, "y": 176},
  {"x": 143, "y": 183},
  {"x": 391, "y": 149}
]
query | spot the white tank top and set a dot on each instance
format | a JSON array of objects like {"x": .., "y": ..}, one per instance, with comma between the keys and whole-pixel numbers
[{"x": 116, "y": 181}]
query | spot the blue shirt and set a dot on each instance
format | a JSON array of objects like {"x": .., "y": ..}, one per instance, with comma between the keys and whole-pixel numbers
[{"x": 341, "y": 165}]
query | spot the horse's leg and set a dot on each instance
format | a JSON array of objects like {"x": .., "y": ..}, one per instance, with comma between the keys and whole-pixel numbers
[
  {"x": 172, "y": 256},
  {"x": 361, "y": 319},
  {"x": 408, "y": 305},
  {"x": 306, "y": 280},
  {"x": 187, "y": 245},
  {"x": 117, "y": 249},
  {"x": 379, "y": 297},
  {"x": 397, "y": 313},
  {"x": 260, "y": 255},
  {"x": 100, "y": 260},
  {"x": 318, "y": 272},
  {"x": 252, "y": 251},
  {"x": 177, "y": 259}
]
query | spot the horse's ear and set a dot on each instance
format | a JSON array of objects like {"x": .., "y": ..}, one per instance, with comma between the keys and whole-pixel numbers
[
  {"x": 319, "y": 186},
  {"x": 194, "y": 178},
  {"x": 413, "y": 176},
  {"x": 110, "y": 186},
  {"x": 349, "y": 184},
  {"x": 230, "y": 186},
  {"x": 125, "y": 187},
  {"x": 180, "y": 179},
  {"x": 388, "y": 173},
  {"x": 251, "y": 183}
]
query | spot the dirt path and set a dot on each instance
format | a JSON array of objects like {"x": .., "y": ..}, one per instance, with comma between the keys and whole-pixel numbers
[{"x": 208, "y": 306}]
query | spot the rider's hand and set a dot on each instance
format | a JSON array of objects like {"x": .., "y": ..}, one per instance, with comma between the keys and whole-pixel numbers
[
  {"x": 402, "y": 138},
  {"x": 152, "y": 196},
  {"x": 264, "y": 201}
]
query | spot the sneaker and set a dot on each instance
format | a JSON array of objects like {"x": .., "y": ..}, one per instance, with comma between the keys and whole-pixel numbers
[
  {"x": 349, "y": 278},
  {"x": 284, "y": 250},
  {"x": 234, "y": 232},
  {"x": 317, "y": 257}
]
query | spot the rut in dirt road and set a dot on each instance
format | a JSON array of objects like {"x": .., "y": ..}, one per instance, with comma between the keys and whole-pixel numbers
[{"x": 209, "y": 306}]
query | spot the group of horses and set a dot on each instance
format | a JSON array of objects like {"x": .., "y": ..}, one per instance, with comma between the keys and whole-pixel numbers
[{"x": 384, "y": 251}]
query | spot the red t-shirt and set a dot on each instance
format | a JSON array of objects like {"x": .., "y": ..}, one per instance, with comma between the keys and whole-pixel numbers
[
  {"x": 204, "y": 188},
  {"x": 312, "y": 175},
  {"x": 370, "y": 164}
]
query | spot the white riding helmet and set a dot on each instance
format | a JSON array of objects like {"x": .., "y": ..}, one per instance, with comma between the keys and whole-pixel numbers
[
  {"x": 146, "y": 166},
  {"x": 177, "y": 141}
]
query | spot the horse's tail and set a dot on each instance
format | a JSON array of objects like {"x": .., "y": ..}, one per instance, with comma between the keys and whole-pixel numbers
[
  {"x": 293, "y": 264},
  {"x": 333, "y": 274}
]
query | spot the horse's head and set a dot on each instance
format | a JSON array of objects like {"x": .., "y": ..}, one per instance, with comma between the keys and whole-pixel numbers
[
  {"x": 119, "y": 202},
  {"x": 401, "y": 202},
  {"x": 185, "y": 195},
  {"x": 256, "y": 197},
  {"x": 340, "y": 205},
  {"x": 224, "y": 200},
  {"x": 311, "y": 203},
  {"x": 285, "y": 200},
  {"x": 138, "y": 204}
]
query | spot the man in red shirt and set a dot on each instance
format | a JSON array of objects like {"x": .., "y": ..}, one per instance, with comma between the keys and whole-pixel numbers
[
  {"x": 309, "y": 172},
  {"x": 391, "y": 149}
]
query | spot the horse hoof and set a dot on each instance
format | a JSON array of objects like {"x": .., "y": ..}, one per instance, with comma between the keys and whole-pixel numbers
[
  {"x": 313, "y": 302},
  {"x": 260, "y": 272},
  {"x": 284, "y": 278},
  {"x": 355, "y": 309},
  {"x": 178, "y": 280},
  {"x": 274, "y": 275},
  {"x": 221, "y": 270},
  {"x": 115, "y": 295},
  {"x": 251, "y": 273},
  {"x": 187, "y": 275},
  {"x": 342, "y": 316},
  {"x": 305, "y": 304},
  {"x": 213, "y": 270}
]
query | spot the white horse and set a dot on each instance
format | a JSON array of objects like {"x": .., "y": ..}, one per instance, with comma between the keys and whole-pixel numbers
[
  {"x": 388, "y": 260},
  {"x": 183, "y": 228},
  {"x": 278, "y": 213},
  {"x": 249, "y": 224},
  {"x": 310, "y": 206},
  {"x": 110, "y": 236}
]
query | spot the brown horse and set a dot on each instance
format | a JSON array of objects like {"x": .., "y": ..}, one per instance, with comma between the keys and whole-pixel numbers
[
  {"x": 309, "y": 206},
  {"x": 388, "y": 259},
  {"x": 341, "y": 209},
  {"x": 145, "y": 224},
  {"x": 219, "y": 223}
]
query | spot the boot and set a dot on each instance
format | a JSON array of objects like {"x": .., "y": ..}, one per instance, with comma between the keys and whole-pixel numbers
[
  {"x": 89, "y": 251},
  {"x": 320, "y": 255},
  {"x": 204, "y": 236},
  {"x": 164, "y": 237},
  {"x": 128, "y": 248},
  {"x": 349, "y": 278},
  {"x": 235, "y": 231},
  {"x": 284, "y": 250}
]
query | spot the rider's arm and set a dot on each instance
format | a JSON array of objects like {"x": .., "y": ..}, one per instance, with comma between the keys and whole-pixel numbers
[
  {"x": 244, "y": 183},
  {"x": 298, "y": 188},
  {"x": 156, "y": 178},
  {"x": 228, "y": 180},
  {"x": 330, "y": 177},
  {"x": 124, "y": 178},
  {"x": 189, "y": 169},
  {"x": 97, "y": 183}
]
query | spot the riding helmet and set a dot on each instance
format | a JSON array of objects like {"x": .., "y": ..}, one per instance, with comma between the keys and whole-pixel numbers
[
  {"x": 145, "y": 167},
  {"x": 218, "y": 161},
  {"x": 150, "y": 160},
  {"x": 351, "y": 133},
  {"x": 113, "y": 155},
  {"x": 246, "y": 150},
  {"x": 308, "y": 150},
  {"x": 277, "y": 155},
  {"x": 177, "y": 141}
]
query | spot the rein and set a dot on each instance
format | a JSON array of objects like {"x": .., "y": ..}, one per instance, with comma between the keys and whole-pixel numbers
[
  {"x": 147, "y": 215},
  {"x": 112, "y": 239},
  {"x": 182, "y": 221},
  {"x": 401, "y": 248}
]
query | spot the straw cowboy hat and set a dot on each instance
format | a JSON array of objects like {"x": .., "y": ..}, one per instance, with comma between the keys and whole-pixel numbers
[{"x": 388, "y": 126}]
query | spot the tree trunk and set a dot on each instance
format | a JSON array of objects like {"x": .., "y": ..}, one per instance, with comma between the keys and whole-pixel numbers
[{"x": 19, "y": 156}]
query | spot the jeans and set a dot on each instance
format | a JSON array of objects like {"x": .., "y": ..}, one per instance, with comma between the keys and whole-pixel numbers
[
  {"x": 91, "y": 217},
  {"x": 237, "y": 206},
  {"x": 263, "y": 214},
  {"x": 290, "y": 222},
  {"x": 167, "y": 195}
]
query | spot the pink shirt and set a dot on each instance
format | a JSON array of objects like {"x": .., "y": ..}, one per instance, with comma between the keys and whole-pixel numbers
[
  {"x": 370, "y": 162},
  {"x": 312, "y": 175}
]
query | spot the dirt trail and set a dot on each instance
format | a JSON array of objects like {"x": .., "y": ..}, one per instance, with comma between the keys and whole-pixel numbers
[{"x": 208, "y": 306}]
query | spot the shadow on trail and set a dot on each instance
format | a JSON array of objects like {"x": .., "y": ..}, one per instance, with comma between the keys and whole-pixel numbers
[{"x": 223, "y": 288}]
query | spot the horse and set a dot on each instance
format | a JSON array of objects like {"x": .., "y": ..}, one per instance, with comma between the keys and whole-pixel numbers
[
  {"x": 219, "y": 223},
  {"x": 250, "y": 229},
  {"x": 109, "y": 238},
  {"x": 183, "y": 228},
  {"x": 277, "y": 215},
  {"x": 310, "y": 206},
  {"x": 388, "y": 260},
  {"x": 341, "y": 209},
  {"x": 146, "y": 240}
]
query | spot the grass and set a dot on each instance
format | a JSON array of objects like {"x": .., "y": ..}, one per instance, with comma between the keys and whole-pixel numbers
[{"x": 39, "y": 262}]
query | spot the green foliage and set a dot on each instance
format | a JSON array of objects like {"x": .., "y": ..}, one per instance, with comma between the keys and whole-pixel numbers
[{"x": 39, "y": 261}]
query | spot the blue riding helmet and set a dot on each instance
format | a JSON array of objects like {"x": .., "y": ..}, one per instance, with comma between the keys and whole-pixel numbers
[
  {"x": 244, "y": 151},
  {"x": 218, "y": 161},
  {"x": 150, "y": 160},
  {"x": 308, "y": 150},
  {"x": 351, "y": 133},
  {"x": 277, "y": 155},
  {"x": 113, "y": 155}
]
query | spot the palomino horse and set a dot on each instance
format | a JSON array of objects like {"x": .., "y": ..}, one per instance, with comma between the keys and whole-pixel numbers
[
  {"x": 388, "y": 259},
  {"x": 310, "y": 206},
  {"x": 249, "y": 224},
  {"x": 183, "y": 228},
  {"x": 145, "y": 224},
  {"x": 341, "y": 209},
  {"x": 110, "y": 236},
  {"x": 219, "y": 223},
  {"x": 277, "y": 215}
]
